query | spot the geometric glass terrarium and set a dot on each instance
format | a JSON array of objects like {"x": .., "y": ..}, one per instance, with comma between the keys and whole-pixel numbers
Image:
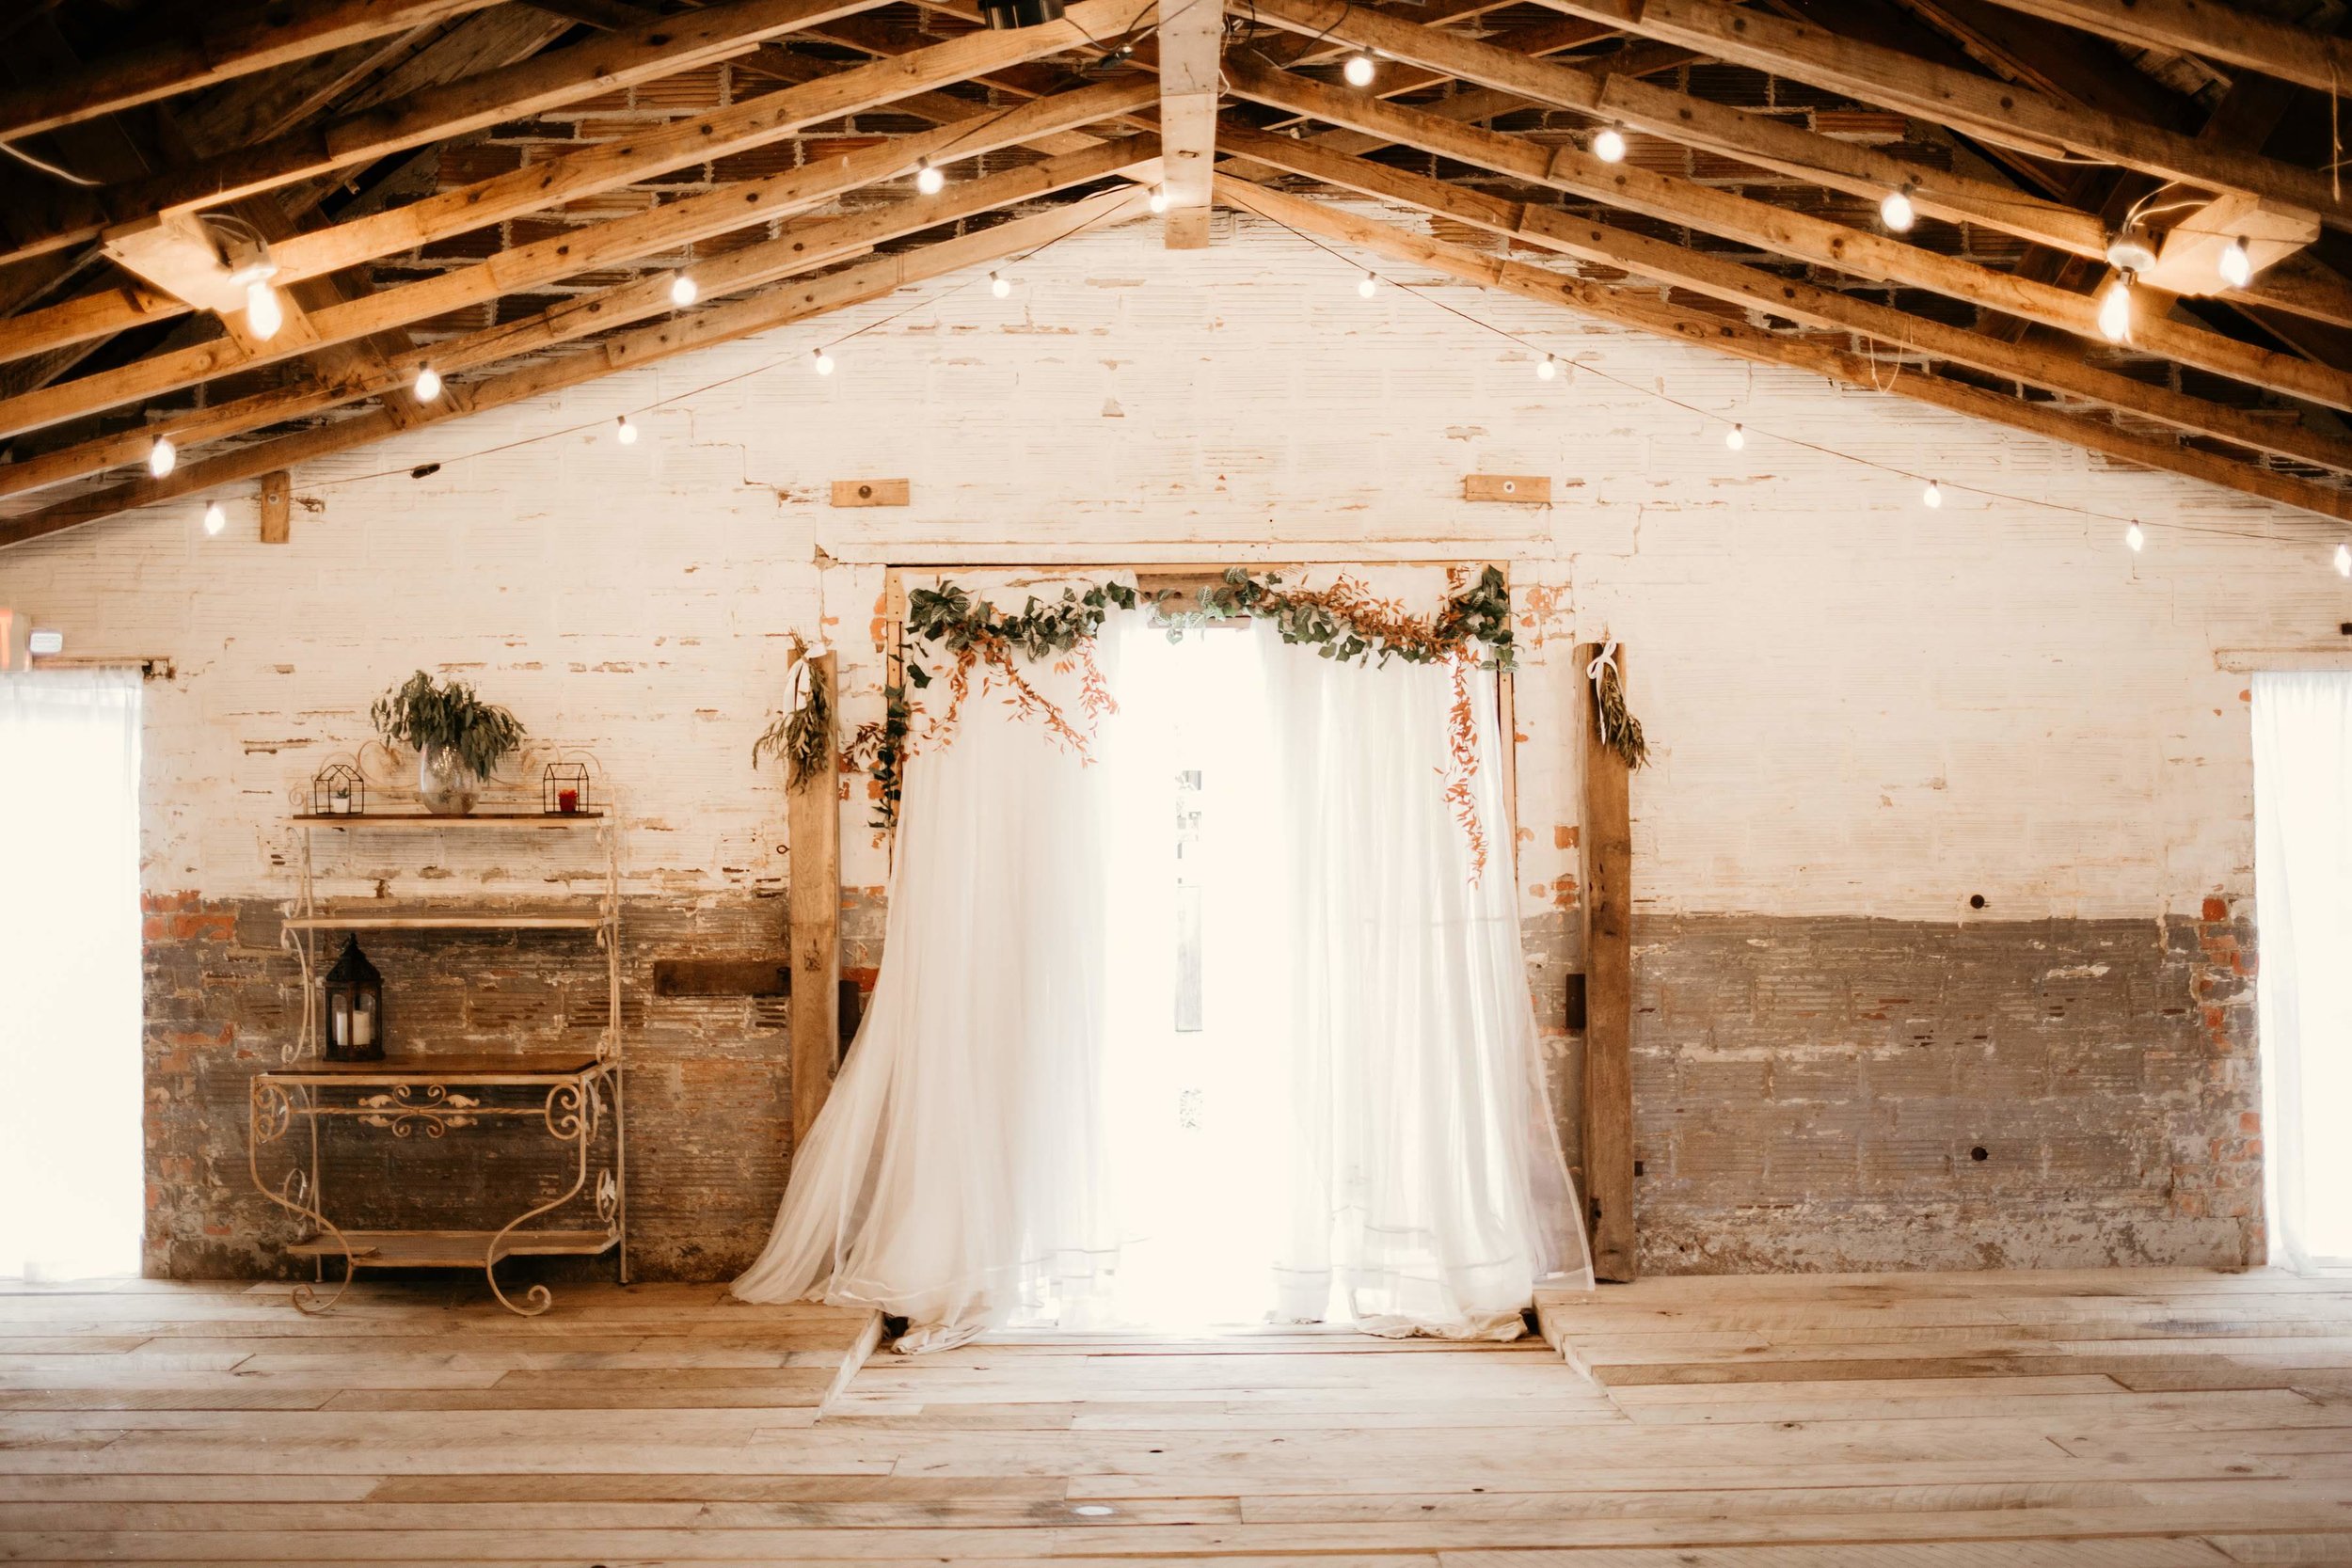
[
  {"x": 338, "y": 790},
  {"x": 563, "y": 790}
]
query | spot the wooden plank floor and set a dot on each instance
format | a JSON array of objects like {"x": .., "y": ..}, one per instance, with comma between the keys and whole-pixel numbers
[{"x": 2122, "y": 1419}]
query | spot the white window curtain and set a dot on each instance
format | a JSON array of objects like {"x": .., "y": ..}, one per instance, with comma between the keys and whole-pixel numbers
[
  {"x": 2303, "y": 911},
  {"x": 1354, "y": 1126},
  {"x": 72, "y": 1187}
]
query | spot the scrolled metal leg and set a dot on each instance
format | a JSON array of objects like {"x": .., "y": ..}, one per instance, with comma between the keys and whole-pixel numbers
[
  {"x": 571, "y": 1117},
  {"x": 270, "y": 1113}
]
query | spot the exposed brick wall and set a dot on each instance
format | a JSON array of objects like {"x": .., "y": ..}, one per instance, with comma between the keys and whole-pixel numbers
[{"x": 1863, "y": 713}]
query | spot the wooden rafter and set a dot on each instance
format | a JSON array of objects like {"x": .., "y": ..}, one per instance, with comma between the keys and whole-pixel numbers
[
  {"x": 2223, "y": 34},
  {"x": 1789, "y": 299},
  {"x": 1190, "y": 42},
  {"x": 657, "y": 48},
  {"x": 1780, "y": 231},
  {"x": 249, "y": 39},
  {"x": 721, "y": 323},
  {"x": 1994, "y": 111},
  {"x": 1603, "y": 302}
]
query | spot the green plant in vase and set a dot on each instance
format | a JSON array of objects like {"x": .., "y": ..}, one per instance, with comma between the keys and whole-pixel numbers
[{"x": 459, "y": 738}]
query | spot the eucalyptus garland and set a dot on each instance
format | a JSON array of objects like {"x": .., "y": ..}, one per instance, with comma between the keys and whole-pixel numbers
[
  {"x": 803, "y": 733},
  {"x": 1346, "y": 623}
]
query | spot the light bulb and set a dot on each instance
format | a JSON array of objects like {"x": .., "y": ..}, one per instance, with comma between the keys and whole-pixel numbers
[
  {"x": 1608, "y": 146},
  {"x": 820, "y": 361},
  {"x": 684, "y": 289},
  {"x": 2135, "y": 537},
  {"x": 1159, "y": 198},
  {"x": 161, "y": 457},
  {"x": 1896, "y": 211},
  {"x": 264, "y": 314},
  {"x": 2237, "y": 267},
  {"x": 2344, "y": 561},
  {"x": 1933, "y": 497},
  {"x": 1357, "y": 70},
  {"x": 2115, "y": 310},
  {"x": 1737, "y": 438},
  {"x": 1368, "y": 286},
  {"x": 214, "y": 519},
  {"x": 428, "y": 384},
  {"x": 929, "y": 179},
  {"x": 998, "y": 285},
  {"x": 1549, "y": 368},
  {"x": 626, "y": 435}
]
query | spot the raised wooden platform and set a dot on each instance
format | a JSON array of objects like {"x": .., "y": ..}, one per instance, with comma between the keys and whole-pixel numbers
[{"x": 2126, "y": 1421}]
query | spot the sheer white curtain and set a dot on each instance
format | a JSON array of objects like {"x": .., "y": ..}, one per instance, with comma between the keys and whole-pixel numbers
[
  {"x": 956, "y": 1175},
  {"x": 2303, "y": 910},
  {"x": 72, "y": 1187}
]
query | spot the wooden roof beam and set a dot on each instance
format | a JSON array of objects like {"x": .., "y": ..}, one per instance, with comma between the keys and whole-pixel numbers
[
  {"x": 1191, "y": 46},
  {"x": 798, "y": 248},
  {"x": 720, "y": 323},
  {"x": 659, "y": 48},
  {"x": 551, "y": 259},
  {"x": 1738, "y": 337},
  {"x": 1991, "y": 110},
  {"x": 2222, "y": 34},
  {"x": 1754, "y": 289},
  {"x": 1781, "y": 230},
  {"x": 238, "y": 43}
]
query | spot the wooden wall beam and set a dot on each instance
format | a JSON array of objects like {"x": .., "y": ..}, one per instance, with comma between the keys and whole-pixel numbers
[
  {"x": 568, "y": 254},
  {"x": 1725, "y": 335},
  {"x": 721, "y": 323},
  {"x": 2222, "y": 34},
  {"x": 2053, "y": 367},
  {"x": 813, "y": 910},
  {"x": 659, "y": 48},
  {"x": 238, "y": 43},
  {"x": 1191, "y": 46},
  {"x": 1605, "y": 847},
  {"x": 1856, "y": 252},
  {"x": 1985, "y": 107}
]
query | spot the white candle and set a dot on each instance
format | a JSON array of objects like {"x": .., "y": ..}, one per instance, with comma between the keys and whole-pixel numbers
[{"x": 363, "y": 1027}]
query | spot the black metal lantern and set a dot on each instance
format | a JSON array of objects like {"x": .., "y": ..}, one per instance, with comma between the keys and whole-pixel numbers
[{"x": 354, "y": 1007}]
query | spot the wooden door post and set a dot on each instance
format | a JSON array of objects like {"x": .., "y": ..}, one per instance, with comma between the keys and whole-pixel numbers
[
  {"x": 813, "y": 907},
  {"x": 1606, "y": 846}
]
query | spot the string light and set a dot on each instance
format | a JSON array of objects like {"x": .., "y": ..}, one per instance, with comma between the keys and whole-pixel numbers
[
  {"x": 428, "y": 384},
  {"x": 929, "y": 179},
  {"x": 998, "y": 285},
  {"x": 2135, "y": 537},
  {"x": 1608, "y": 146},
  {"x": 684, "y": 291},
  {"x": 1159, "y": 198},
  {"x": 1933, "y": 497},
  {"x": 1368, "y": 286},
  {"x": 2115, "y": 310},
  {"x": 2344, "y": 561},
  {"x": 1737, "y": 438},
  {"x": 1550, "y": 368},
  {"x": 820, "y": 361},
  {"x": 215, "y": 520},
  {"x": 626, "y": 435},
  {"x": 2237, "y": 267},
  {"x": 1357, "y": 70},
  {"x": 264, "y": 314},
  {"x": 161, "y": 457},
  {"x": 1896, "y": 211}
]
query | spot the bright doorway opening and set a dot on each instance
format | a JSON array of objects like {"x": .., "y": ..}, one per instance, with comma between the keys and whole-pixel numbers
[{"x": 72, "y": 1187}]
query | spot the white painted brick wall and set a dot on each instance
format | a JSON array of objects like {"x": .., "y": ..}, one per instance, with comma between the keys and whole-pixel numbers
[{"x": 1858, "y": 706}]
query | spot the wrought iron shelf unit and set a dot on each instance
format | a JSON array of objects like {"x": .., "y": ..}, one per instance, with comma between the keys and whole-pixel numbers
[{"x": 575, "y": 1096}]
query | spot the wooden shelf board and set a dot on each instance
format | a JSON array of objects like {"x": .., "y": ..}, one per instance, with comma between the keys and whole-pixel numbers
[
  {"x": 452, "y": 1249},
  {"x": 444, "y": 1069},
  {"x": 439, "y": 820},
  {"x": 445, "y": 920}
]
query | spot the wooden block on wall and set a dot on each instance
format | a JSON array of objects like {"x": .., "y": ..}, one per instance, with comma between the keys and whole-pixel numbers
[
  {"x": 277, "y": 507},
  {"x": 1511, "y": 489},
  {"x": 870, "y": 491}
]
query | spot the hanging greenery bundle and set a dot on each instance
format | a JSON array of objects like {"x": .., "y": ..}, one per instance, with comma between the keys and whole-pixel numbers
[
  {"x": 1620, "y": 730},
  {"x": 803, "y": 733}
]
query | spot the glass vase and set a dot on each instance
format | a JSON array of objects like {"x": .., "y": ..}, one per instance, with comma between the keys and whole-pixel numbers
[{"x": 446, "y": 786}]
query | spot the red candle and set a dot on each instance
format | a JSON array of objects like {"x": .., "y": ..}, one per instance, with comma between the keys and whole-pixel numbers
[{"x": 568, "y": 800}]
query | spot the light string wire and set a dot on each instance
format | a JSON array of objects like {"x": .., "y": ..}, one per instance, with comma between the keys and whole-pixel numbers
[
  {"x": 1711, "y": 416},
  {"x": 796, "y": 357}
]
